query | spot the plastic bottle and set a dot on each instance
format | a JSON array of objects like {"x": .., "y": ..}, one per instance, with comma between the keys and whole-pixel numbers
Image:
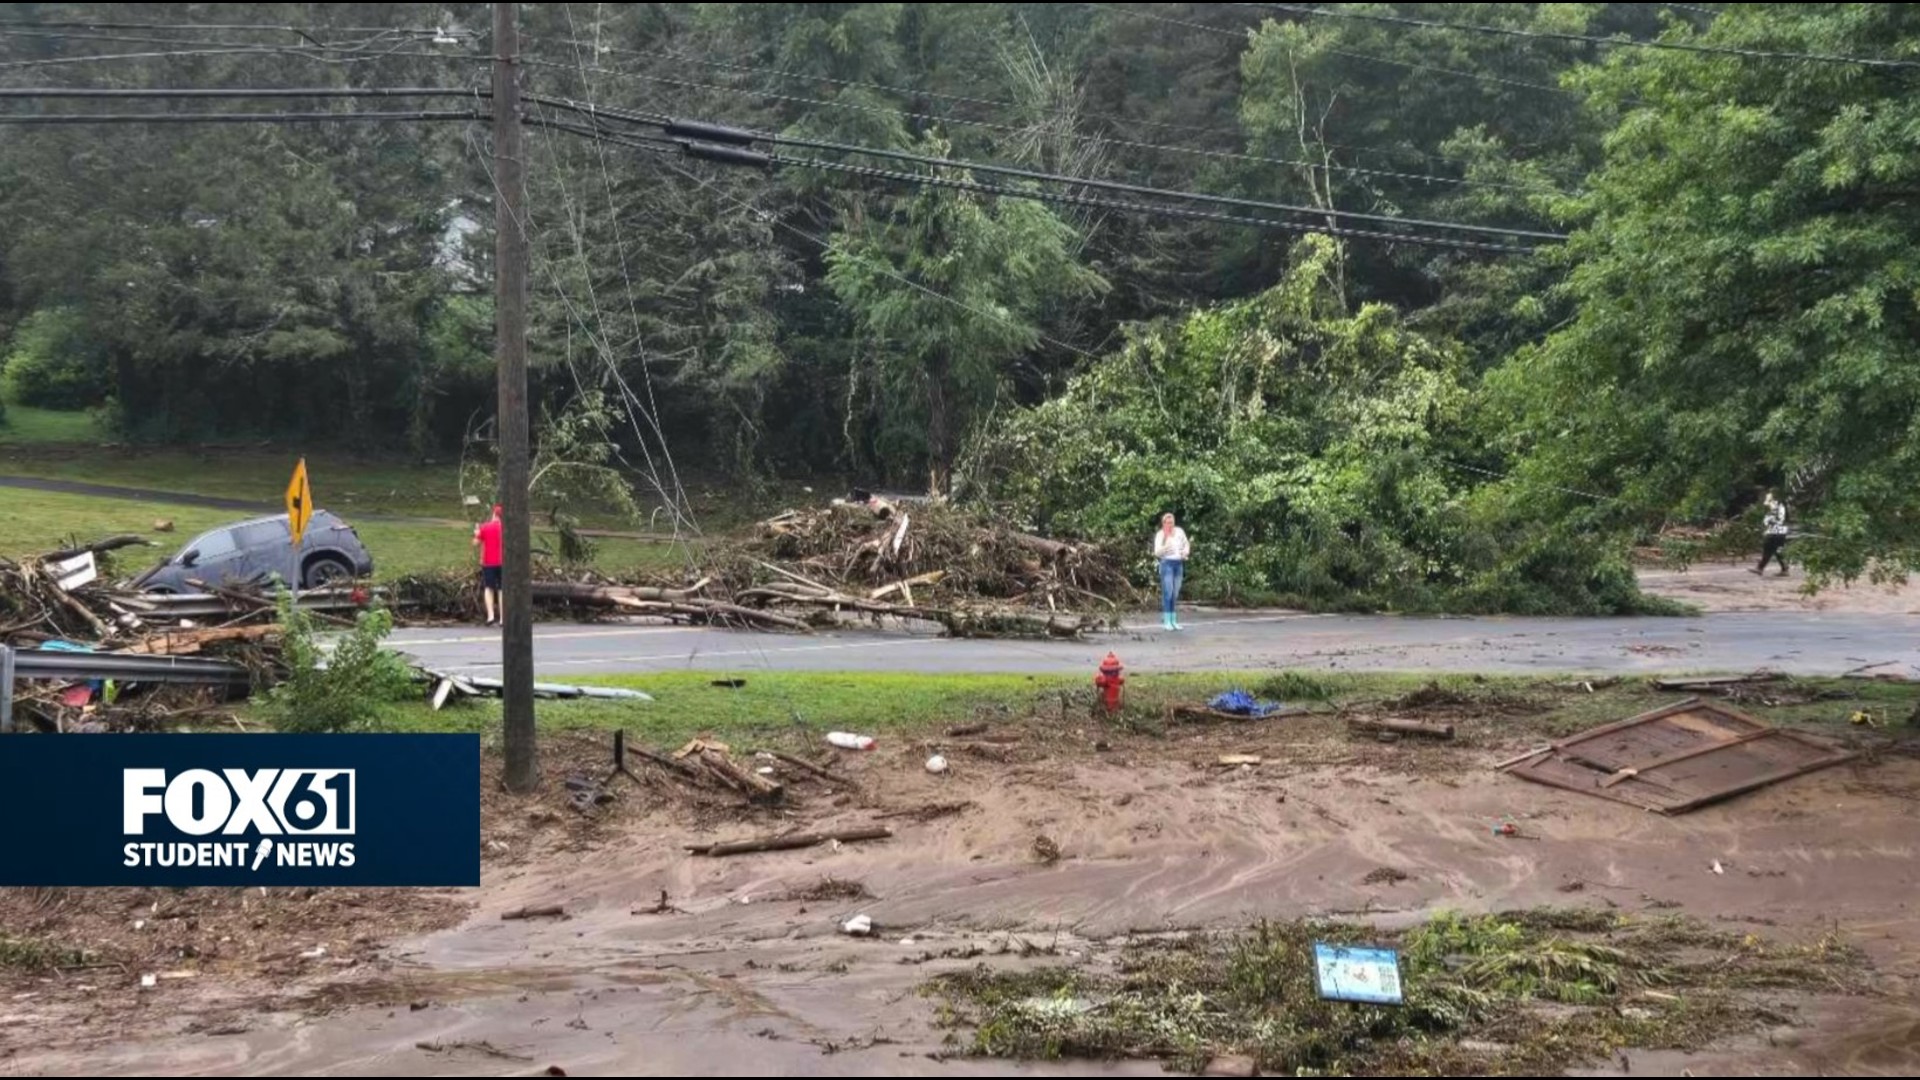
[{"x": 847, "y": 741}]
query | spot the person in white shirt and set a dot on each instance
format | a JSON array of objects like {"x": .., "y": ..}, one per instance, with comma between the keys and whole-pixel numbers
[
  {"x": 1777, "y": 534},
  {"x": 1170, "y": 546}
]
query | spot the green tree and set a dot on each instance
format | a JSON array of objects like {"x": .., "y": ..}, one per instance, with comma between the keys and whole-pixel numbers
[
  {"x": 1745, "y": 279},
  {"x": 1312, "y": 451},
  {"x": 948, "y": 287}
]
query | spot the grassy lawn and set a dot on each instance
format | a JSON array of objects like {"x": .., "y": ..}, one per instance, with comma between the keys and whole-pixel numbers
[
  {"x": 26, "y": 425},
  {"x": 797, "y": 708},
  {"x": 32, "y": 522},
  {"x": 64, "y": 446}
]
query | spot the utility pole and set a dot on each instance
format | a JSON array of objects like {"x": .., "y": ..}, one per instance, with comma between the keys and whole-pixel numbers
[{"x": 510, "y": 349}]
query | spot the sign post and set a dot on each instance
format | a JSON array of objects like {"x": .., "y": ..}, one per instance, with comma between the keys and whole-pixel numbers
[{"x": 299, "y": 512}]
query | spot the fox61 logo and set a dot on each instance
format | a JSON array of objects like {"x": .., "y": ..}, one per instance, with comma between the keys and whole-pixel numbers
[{"x": 246, "y": 817}]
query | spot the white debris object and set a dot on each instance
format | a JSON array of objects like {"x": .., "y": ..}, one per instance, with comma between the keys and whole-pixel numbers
[
  {"x": 937, "y": 764},
  {"x": 149, "y": 981},
  {"x": 846, "y": 740},
  {"x": 858, "y": 926},
  {"x": 314, "y": 953}
]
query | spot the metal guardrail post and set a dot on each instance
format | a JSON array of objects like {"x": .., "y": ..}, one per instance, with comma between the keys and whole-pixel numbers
[{"x": 6, "y": 689}]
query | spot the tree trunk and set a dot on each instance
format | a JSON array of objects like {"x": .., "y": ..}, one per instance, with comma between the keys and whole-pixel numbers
[{"x": 939, "y": 425}]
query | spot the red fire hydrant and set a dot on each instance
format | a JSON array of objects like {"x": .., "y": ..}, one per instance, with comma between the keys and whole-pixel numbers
[{"x": 1109, "y": 682}]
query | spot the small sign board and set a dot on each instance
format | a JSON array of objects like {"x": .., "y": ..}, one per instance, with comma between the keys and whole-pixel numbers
[
  {"x": 77, "y": 571},
  {"x": 299, "y": 502},
  {"x": 1347, "y": 973}
]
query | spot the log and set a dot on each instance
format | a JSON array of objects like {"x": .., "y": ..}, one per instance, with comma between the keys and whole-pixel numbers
[
  {"x": 100, "y": 547},
  {"x": 751, "y": 784},
  {"x": 1052, "y": 549},
  {"x": 783, "y": 572},
  {"x": 187, "y": 642},
  {"x": 67, "y": 601},
  {"x": 789, "y": 842},
  {"x": 665, "y": 762},
  {"x": 931, "y": 578},
  {"x": 708, "y": 610},
  {"x": 805, "y": 765},
  {"x": 604, "y": 595},
  {"x": 1390, "y": 725},
  {"x": 548, "y": 911}
]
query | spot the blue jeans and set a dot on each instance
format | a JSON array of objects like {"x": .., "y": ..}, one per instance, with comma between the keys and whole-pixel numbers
[{"x": 1172, "y": 573}]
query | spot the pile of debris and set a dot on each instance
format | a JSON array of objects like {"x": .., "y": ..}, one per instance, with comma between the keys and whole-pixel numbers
[
  {"x": 89, "y": 655},
  {"x": 923, "y": 563},
  {"x": 887, "y": 551},
  {"x": 706, "y": 770}
]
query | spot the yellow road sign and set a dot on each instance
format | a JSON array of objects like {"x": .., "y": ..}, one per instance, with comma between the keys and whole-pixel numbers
[{"x": 299, "y": 502}]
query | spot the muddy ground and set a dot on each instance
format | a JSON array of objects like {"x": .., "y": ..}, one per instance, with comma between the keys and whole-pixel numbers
[
  {"x": 1724, "y": 585},
  {"x": 1046, "y": 842}
]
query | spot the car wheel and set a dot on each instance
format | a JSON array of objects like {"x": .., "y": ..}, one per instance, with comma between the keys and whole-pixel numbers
[{"x": 324, "y": 572}]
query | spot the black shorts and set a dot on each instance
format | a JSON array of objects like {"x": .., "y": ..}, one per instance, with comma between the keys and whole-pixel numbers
[{"x": 490, "y": 578}]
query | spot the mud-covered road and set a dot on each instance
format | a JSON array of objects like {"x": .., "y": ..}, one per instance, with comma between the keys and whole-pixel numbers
[{"x": 743, "y": 971}]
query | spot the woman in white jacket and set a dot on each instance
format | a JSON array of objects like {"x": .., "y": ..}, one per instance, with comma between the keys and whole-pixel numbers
[{"x": 1170, "y": 546}]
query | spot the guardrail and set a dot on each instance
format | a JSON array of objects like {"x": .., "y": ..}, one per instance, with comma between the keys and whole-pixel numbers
[{"x": 18, "y": 664}]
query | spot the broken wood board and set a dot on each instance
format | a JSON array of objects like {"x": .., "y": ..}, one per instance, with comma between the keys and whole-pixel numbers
[
  {"x": 1712, "y": 683},
  {"x": 1677, "y": 758}
]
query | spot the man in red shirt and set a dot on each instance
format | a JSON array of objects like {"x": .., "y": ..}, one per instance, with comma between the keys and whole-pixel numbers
[{"x": 486, "y": 537}]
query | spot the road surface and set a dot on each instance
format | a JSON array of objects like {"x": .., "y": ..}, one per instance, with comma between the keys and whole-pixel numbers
[{"x": 1803, "y": 643}]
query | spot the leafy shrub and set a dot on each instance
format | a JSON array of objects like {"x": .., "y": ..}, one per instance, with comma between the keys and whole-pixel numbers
[
  {"x": 52, "y": 364},
  {"x": 341, "y": 689}
]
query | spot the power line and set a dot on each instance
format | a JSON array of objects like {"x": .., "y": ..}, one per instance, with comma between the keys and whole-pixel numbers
[
  {"x": 241, "y": 92},
  {"x": 658, "y": 145},
  {"x": 1588, "y": 39},
  {"x": 717, "y": 133},
  {"x": 1008, "y": 128},
  {"x": 95, "y": 24},
  {"x": 346, "y": 53},
  {"x": 1164, "y": 193},
  {"x": 1068, "y": 198},
  {"x": 56, "y": 119}
]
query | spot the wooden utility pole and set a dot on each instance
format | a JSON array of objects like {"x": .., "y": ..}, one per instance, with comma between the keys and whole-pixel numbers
[{"x": 510, "y": 348}]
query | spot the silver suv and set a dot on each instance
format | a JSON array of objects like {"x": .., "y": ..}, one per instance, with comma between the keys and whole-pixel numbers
[{"x": 252, "y": 552}]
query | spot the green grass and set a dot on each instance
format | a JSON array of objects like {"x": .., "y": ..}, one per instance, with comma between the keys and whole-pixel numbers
[
  {"x": 801, "y": 706},
  {"x": 1521, "y": 994},
  {"x": 33, "y": 522},
  {"x": 775, "y": 706},
  {"x": 64, "y": 446},
  {"x": 27, "y": 425}
]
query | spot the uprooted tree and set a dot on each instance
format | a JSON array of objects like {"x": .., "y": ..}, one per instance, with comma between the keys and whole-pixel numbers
[{"x": 1314, "y": 453}]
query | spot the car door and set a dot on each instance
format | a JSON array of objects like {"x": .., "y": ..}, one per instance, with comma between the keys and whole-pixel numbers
[
  {"x": 210, "y": 557},
  {"x": 266, "y": 549}
]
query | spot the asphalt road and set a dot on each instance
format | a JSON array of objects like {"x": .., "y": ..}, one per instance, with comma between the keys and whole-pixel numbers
[{"x": 1791, "y": 642}]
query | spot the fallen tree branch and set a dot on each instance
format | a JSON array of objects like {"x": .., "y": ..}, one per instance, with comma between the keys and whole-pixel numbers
[
  {"x": 788, "y": 842},
  {"x": 803, "y": 764},
  {"x": 1394, "y": 726},
  {"x": 100, "y": 547}
]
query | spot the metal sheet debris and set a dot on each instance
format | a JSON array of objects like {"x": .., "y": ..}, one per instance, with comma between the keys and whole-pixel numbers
[{"x": 1678, "y": 758}]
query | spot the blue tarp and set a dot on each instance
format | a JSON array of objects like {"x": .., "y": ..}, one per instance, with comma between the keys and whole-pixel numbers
[{"x": 1241, "y": 703}]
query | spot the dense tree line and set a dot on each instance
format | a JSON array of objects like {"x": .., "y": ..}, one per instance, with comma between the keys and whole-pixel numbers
[{"x": 1410, "y": 424}]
